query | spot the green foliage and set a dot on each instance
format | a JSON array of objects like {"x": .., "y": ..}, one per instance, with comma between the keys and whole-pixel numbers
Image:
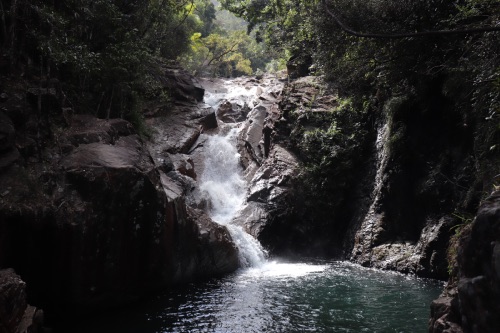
[
  {"x": 217, "y": 55},
  {"x": 331, "y": 145},
  {"x": 109, "y": 54},
  {"x": 222, "y": 48},
  {"x": 283, "y": 24}
]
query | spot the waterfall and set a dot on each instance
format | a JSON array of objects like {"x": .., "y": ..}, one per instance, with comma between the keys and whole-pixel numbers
[{"x": 223, "y": 182}]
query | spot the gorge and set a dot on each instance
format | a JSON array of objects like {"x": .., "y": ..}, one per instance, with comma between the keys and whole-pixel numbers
[
  {"x": 230, "y": 160},
  {"x": 273, "y": 294},
  {"x": 161, "y": 170}
]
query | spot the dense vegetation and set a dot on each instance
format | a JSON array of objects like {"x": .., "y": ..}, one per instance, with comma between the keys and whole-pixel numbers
[
  {"x": 465, "y": 67},
  {"x": 109, "y": 56}
]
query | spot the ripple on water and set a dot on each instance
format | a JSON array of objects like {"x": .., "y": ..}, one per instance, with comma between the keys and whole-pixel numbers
[{"x": 286, "y": 297}]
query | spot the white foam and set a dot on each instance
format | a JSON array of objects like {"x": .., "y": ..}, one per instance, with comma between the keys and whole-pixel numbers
[{"x": 224, "y": 184}]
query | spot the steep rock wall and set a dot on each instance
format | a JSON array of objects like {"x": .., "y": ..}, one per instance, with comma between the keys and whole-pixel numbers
[
  {"x": 470, "y": 301},
  {"x": 90, "y": 215},
  {"x": 382, "y": 184}
]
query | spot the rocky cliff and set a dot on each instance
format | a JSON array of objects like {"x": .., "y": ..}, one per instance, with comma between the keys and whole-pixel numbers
[
  {"x": 470, "y": 300},
  {"x": 91, "y": 215},
  {"x": 380, "y": 182}
]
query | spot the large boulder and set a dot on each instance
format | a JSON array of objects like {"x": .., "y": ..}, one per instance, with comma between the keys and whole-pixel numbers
[
  {"x": 269, "y": 195},
  {"x": 177, "y": 126},
  {"x": 182, "y": 85}
]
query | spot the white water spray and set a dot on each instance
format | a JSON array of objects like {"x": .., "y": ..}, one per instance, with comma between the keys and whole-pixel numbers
[{"x": 222, "y": 180}]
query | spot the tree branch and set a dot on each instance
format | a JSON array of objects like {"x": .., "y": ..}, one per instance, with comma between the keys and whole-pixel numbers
[
  {"x": 218, "y": 57},
  {"x": 350, "y": 31}
]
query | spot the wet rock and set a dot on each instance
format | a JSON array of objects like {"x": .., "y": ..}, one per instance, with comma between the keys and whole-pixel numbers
[
  {"x": 426, "y": 257},
  {"x": 218, "y": 254},
  {"x": 268, "y": 191},
  {"x": 232, "y": 112},
  {"x": 252, "y": 135},
  {"x": 183, "y": 164}
]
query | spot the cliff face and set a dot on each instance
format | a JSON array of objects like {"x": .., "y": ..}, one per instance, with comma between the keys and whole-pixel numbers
[
  {"x": 382, "y": 186},
  {"x": 470, "y": 301},
  {"x": 91, "y": 216}
]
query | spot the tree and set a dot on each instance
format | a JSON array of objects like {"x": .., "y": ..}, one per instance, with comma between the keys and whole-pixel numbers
[
  {"x": 108, "y": 54},
  {"x": 218, "y": 55}
]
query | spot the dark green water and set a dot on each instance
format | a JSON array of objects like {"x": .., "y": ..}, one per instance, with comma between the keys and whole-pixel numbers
[{"x": 327, "y": 297}]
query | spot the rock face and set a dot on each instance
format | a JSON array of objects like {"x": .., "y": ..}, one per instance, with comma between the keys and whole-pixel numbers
[
  {"x": 267, "y": 166},
  {"x": 382, "y": 188},
  {"x": 16, "y": 315},
  {"x": 471, "y": 302},
  {"x": 99, "y": 217}
]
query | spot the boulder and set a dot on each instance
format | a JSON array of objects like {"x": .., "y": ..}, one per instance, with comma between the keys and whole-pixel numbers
[
  {"x": 269, "y": 193},
  {"x": 299, "y": 65},
  {"x": 182, "y": 85},
  {"x": 232, "y": 112},
  {"x": 177, "y": 128},
  {"x": 183, "y": 164}
]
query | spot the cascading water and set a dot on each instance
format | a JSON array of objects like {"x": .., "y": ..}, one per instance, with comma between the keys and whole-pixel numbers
[
  {"x": 223, "y": 182},
  {"x": 281, "y": 297}
]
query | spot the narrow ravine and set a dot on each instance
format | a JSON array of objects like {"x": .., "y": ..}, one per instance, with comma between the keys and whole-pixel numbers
[{"x": 268, "y": 294}]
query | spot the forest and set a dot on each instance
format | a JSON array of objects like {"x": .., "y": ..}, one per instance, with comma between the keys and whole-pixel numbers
[{"x": 108, "y": 55}]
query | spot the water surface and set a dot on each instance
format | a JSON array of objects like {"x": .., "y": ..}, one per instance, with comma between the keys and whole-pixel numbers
[{"x": 286, "y": 297}]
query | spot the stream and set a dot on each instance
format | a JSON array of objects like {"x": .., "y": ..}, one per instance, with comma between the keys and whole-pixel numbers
[{"x": 272, "y": 295}]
